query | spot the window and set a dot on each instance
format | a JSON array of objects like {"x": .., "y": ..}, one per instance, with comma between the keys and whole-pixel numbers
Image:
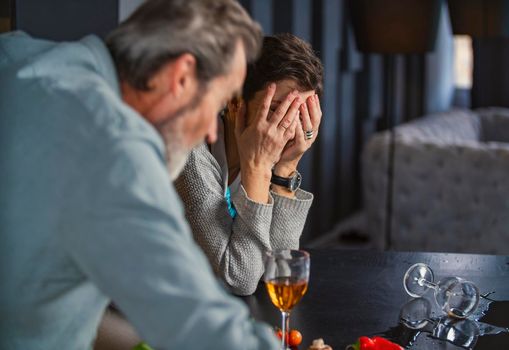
[{"x": 463, "y": 62}]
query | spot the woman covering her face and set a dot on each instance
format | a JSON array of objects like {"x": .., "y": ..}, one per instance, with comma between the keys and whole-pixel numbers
[{"x": 242, "y": 195}]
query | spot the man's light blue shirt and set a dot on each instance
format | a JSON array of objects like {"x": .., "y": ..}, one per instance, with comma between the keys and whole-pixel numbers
[{"x": 89, "y": 214}]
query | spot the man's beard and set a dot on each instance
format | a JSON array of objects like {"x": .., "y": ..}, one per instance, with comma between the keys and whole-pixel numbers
[
  {"x": 172, "y": 132},
  {"x": 176, "y": 151}
]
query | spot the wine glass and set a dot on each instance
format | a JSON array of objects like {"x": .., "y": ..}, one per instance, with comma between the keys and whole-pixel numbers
[
  {"x": 455, "y": 296},
  {"x": 286, "y": 278}
]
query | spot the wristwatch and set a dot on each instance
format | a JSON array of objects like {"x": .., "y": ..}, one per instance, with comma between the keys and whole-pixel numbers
[{"x": 291, "y": 183}]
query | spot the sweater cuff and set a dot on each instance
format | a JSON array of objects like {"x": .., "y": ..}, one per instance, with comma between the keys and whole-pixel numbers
[
  {"x": 302, "y": 200},
  {"x": 244, "y": 204}
]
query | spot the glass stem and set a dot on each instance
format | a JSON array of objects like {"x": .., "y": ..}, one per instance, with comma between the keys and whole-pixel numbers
[
  {"x": 428, "y": 284},
  {"x": 285, "y": 328}
]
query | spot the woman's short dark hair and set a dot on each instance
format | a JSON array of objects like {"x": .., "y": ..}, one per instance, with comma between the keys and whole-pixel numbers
[{"x": 284, "y": 56}]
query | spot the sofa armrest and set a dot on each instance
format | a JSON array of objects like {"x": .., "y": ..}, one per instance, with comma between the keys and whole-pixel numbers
[
  {"x": 429, "y": 179},
  {"x": 453, "y": 126},
  {"x": 494, "y": 124}
]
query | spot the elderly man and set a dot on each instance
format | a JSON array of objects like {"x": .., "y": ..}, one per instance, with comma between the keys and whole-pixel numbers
[{"x": 88, "y": 213}]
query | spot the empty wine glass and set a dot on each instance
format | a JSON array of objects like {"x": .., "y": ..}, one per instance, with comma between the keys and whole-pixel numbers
[
  {"x": 286, "y": 278},
  {"x": 455, "y": 296}
]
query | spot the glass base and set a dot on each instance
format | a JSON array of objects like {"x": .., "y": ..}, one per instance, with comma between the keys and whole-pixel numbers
[{"x": 415, "y": 277}]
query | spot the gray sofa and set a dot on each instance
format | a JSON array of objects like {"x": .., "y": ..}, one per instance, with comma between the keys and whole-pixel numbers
[{"x": 451, "y": 183}]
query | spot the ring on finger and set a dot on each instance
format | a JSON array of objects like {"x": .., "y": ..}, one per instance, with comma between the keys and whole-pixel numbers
[{"x": 308, "y": 134}]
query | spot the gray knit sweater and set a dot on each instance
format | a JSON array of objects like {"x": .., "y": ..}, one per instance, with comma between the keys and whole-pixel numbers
[{"x": 235, "y": 246}]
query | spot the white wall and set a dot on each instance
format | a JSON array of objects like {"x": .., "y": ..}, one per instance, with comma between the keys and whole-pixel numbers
[{"x": 440, "y": 67}]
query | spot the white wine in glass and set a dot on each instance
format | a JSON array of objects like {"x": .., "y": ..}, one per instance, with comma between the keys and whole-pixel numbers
[{"x": 286, "y": 278}]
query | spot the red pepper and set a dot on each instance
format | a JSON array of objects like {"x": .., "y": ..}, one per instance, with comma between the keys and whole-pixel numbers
[
  {"x": 384, "y": 344},
  {"x": 375, "y": 343},
  {"x": 366, "y": 344}
]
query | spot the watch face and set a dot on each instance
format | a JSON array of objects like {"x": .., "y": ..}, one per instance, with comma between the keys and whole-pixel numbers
[{"x": 295, "y": 181}]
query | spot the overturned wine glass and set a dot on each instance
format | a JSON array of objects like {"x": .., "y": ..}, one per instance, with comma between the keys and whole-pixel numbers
[{"x": 457, "y": 297}]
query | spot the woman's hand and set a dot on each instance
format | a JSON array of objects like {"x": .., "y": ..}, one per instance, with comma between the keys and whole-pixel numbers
[
  {"x": 260, "y": 144},
  {"x": 308, "y": 124}
]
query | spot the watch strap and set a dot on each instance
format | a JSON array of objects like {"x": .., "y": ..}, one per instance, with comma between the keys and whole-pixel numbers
[
  {"x": 281, "y": 181},
  {"x": 291, "y": 183}
]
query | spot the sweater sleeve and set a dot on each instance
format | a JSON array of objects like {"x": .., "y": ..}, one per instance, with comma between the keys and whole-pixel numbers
[
  {"x": 234, "y": 246},
  {"x": 288, "y": 219}
]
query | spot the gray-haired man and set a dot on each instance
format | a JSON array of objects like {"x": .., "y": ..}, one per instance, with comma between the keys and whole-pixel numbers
[{"x": 87, "y": 209}]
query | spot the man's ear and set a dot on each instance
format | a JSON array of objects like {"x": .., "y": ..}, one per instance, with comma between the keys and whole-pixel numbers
[{"x": 182, "y": 77}]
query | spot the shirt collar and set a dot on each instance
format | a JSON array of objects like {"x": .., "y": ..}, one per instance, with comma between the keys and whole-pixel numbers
[{"x": 105, "y": 66}]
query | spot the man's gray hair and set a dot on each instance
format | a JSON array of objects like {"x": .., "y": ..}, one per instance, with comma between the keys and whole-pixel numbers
[{"x": 162, "y": 30}]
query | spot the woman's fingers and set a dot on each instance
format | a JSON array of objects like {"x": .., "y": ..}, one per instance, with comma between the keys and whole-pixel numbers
[
  {"x": 307, "y": 125},
  {"x": 317, "y": 101},
  {"x": 315, "y": 112},
  {"x": 240, "y": 119},
  {"x": 263, "y": 109},
  {"x": 291, "y": 114},
  {"x": 281, "y": 112},
  {"x": 299, "y": 131},
  {"x": 291, "y": 130}
]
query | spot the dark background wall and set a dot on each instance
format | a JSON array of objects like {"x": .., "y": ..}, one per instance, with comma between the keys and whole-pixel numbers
[
  {"x": 355, "y": 97},
  {"x": 66, "y": 19},
  {"x": 491, "y": 82}
]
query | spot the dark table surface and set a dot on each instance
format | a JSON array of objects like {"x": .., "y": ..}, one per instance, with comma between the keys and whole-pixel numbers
[{"x": 354, "y": 293}]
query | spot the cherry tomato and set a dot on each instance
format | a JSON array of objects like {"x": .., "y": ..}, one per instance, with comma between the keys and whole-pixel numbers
[
  {"x": 279, "y": 334},
  {"x": 294, "y": 338}
]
